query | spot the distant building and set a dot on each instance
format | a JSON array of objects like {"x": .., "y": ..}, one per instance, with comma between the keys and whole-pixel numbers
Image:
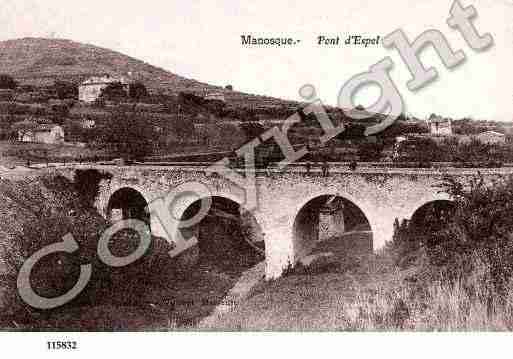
[
  {"x": 213, "y": 95},
  {"x": 464, "y": 139},
  {"x": 439, "y": 126},
  {"x": 491, "y": 137},
  {"x": 91, "y": 89},
  {"x": 399, "y": 139},
  {"x": 28, "y": 131},
  {"x": 87, "y": 123},
  {"x": 397, "y": 146}
]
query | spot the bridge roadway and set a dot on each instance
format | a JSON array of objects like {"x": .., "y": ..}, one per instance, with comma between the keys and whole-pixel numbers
[{"x": 287, "y": 215}]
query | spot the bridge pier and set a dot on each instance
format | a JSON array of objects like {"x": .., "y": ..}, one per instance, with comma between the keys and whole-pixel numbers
[
  {"x": 331, "y": 224},
  {"x": 276, "y": 231},
  {"x": 157, "y": 229}
]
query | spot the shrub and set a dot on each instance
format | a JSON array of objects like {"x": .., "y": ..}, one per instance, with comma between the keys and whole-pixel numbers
[
  {"x": 137, "y": 90},
  {"x": 370, "y": 151},
  {"x": 7, "y": 82},
  {"x": 66, "y": 90},
  {"x": 130, "y": 133},
  {"x": 114, "y": 91},
  {"x": 480, "y": 227}
]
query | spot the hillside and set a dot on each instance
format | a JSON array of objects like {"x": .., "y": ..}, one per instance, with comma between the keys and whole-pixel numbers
[{"x": 39, "y": 62}]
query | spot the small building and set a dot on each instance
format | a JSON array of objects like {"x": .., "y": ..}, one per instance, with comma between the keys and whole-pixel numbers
[
  {"x": 30, "y": 131},
  {"x": 87, "y": 123},
  {"x": 439, "y": 126},
  {"x": 464, "y": 139},
  {"x": 399, "y": 139},
  {"x": 91, "y": 89},
  {"x": 215, "y": 95},
  {"x": 491, "y": 137}
]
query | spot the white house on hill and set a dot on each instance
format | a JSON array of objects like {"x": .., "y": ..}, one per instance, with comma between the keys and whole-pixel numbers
[
  {"x": 491, "y": 137},
  {"x": 215, "y": 95},
  {"x": 91, "y": 89},
  {"x": 439, "y": 126}
]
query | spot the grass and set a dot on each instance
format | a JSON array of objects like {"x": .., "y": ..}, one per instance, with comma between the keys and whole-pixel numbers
[
  {"x": 466, "y": 305},
  {"x": 364, "y": 292},
  {"x": 369, "y": 293}
]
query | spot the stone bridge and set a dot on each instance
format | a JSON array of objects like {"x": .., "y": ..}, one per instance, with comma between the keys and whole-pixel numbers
[{"x": 286, "y": 216}]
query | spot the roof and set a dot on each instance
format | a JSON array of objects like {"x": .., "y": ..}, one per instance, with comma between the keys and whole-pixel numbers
[
  {"x": 46, "y": 126},
  {"x": 34, "y": 126},
  {"x": 359, "y": 114},
  {"x": 101, "y": 80},
  {"x": 491, "y": 133},
  {"x": 437, "y": 119}
]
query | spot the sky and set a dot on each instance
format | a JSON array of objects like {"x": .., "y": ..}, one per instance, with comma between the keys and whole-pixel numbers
[{"x": 202, "y": 40}]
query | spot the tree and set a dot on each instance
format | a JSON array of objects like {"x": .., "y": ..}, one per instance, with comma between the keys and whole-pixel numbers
[
  {"x": 66, "y": 90},
  {"x": 60, "y": 113},
  {"x": 400, "y": 128},
  {"x": 370, "y": 151},
  {"x": 182, "y": 127},
  {"x": 7, "y": 82},
  {"x": 252, "y": 130},
  {"x": 352, "y": 131},
  {"x": 130, "y": 133},
  {"x": 137, "y": 90},
  {"x": 422, "y": 150},
  {"x": 114, "y": 91},
  {"x": 478, "y": 226}
]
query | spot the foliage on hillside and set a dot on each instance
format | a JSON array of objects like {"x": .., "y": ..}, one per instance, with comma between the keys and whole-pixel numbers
[
  {"x": 7, "y": 82},
  {"x": 471, "y": 153},
  {"x": 131, "y": 135},
  {"x": 38, "y": 211},
  {"x": 478, "y": 230}
]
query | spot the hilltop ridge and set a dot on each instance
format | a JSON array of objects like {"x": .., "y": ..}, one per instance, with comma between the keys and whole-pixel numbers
[{"x": 41, "y": 61}]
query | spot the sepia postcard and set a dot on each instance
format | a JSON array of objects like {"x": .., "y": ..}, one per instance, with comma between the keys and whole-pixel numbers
[{"x": 190, "y": 175}]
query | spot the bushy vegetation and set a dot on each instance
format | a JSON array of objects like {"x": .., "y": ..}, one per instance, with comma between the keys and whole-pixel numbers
[
  {"x": 66, "y": 90},
  {"x": 137, "y": 91},
  {"x": 468, "y": 303},
  {"x": 39, "y": 211},
  {"x": 472, "y": 153},
  {"x": 478, "y": 225},
  {"x": 114, "y": 91},
  {"x": 7, "y": 82},
  {"x": 130, "y": 134},
  {"x": 463, "y": 257}
]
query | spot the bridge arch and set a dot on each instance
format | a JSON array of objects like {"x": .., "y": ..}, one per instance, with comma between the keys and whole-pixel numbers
[
  {"x": 432, "y": 213},
  {"x": 330, "y": 219},
  {"x": 127, "y": 202},
  {"x": 414, "y": 206},
  {"x": 228, "y": 235}
]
